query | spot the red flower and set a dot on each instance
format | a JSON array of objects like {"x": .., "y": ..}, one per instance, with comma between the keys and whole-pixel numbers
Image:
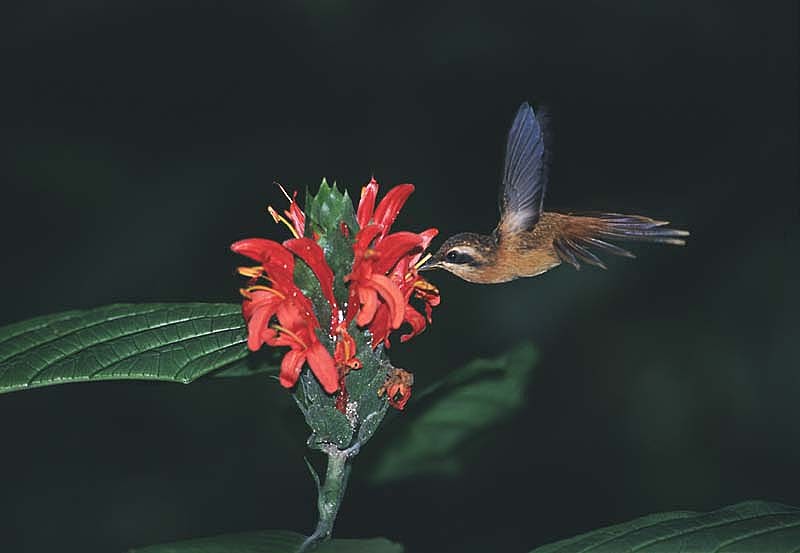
[
  {"x": 382, "y": 281},
  {"x": 384, "y": 275},
  {"x": 407, "y": 277},
  {"x": 345, "y": 353},
  {"x": 296, "y": 221},
  {"x": 345, "y": 358},
  {"x": 297, "y": 323},
  {"x": 297, "y": 331},
  {"x": 310, "y": 252},
  {"x": 397, "y": 388}
]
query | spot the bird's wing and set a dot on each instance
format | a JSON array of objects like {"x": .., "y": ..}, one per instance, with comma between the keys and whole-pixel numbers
[{"x": 524, "y": 175}]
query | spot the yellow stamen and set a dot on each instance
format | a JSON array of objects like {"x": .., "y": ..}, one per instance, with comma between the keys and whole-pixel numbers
[
  {"x": 281, "y": 219},
  {"x": 252, "y": 272},
  {"x": 422, "y": 261},
  {"x": 285, "y": 330},
  {"x": 265, "y": 289},
  {"x": 426, "y": 286}
]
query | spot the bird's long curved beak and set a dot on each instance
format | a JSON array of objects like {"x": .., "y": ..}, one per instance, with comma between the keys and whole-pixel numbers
[{"x": 426, "y": 263}]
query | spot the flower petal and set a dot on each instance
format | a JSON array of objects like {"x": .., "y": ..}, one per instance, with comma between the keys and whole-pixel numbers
[
  {"x": 274, "y": 257},
  {"x": 364, "y": 238},
  {"x": 391, "y": 204},
  {"x": 296, "y": 215},
  {"x": 427, "y": 236},
  {"x": 310, "y": 252},
  {"x": 400, "y": 403},
  {"x": 379, "y": 328},
  {"x": 366, "y": 205},
  {"x": 255, "y": 326},
  {"x": 290, "y": 367},
  {"x": 417, "y": 322},
  {"x": 394, "y": 246},
  {"x": 257, "y": 310},
  {"x": 259, "y": 299},
  {"x": 368, "y": 298},
  {"x": 323, "y": 367},
  {"x": 392, "y": 296},
  {"x": 292, "y": 316}
]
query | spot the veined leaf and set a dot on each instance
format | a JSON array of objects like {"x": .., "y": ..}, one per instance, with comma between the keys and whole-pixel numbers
[
  {"x": 749, "y": 527},
  {"x": 176, "y": 342},
  {"x": 270, "y": 541},
  {"x": 451, "y": 413}
]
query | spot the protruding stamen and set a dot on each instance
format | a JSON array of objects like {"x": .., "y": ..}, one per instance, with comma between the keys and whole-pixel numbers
[
  {"x": 285, "y": 193},
  {"x": 252, "y": 272},
  {"x": 285, "y": 330},
  {"x": 264, "y": 289},
  {"x": 426, "y": 287},
  {"x": 422, "y": 261},
  {"x": 281, "y": 219}
]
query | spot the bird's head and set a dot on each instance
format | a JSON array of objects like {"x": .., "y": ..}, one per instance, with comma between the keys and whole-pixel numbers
[{"x": 466, "y": 255}]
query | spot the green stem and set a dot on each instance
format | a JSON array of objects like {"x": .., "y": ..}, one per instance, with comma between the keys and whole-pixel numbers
[{"x": 330, "y": 494}]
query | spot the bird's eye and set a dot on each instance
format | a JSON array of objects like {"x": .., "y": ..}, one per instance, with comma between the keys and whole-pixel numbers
[{"x": 455, "y": 256}]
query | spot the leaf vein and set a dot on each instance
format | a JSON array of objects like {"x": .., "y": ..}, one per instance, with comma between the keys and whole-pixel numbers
[
  {"x": 704, "y": 527},
  {"x": 69, "y": 315},
  {"x": 155, "y": 348},
  {"x": 196, "y": 359},
  {"x": 776, "y": 528},
  {"x": 88, "y": 348},
  {"x": 612, "y": 538},
  {"x": 76, "y": 330}
]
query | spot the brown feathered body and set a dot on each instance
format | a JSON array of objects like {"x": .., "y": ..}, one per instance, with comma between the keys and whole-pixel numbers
[
  {"x": 557, "y": 238},
  {"x": 529, "y": 241}
]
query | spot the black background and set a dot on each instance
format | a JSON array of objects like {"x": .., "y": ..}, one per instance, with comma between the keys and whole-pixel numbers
[{"x": 140, "y": 139}]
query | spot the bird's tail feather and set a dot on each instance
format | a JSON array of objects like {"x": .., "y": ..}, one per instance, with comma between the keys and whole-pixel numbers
[{"x": 581, "y": 234}]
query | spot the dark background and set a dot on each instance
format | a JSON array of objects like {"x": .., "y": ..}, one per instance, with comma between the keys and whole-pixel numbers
[{"x": 140, "y": 139}]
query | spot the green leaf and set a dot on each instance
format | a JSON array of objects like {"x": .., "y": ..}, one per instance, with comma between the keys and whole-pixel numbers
[
  {"x": 748, "y": 527},
  {"x": 329, "y": 426},
  {"x": 452, "y": 414},
  {"x": 175, "y": 342},
  {"x": 264, "y": 361},
  {"x": 270, "y": 541}
]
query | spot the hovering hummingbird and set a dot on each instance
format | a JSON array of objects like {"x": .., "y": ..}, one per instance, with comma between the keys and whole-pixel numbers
[{"x": 529, "y": 241}]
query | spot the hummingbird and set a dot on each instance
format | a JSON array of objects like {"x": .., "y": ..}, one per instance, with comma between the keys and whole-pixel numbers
[{"x": 529, "y": 241}]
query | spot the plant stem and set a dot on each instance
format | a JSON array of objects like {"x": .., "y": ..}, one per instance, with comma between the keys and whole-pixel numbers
[{"x": 330, "y": 494}]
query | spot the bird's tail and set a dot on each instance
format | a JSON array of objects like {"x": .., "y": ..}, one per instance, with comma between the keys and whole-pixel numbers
[{"x": 580, "y": 236}]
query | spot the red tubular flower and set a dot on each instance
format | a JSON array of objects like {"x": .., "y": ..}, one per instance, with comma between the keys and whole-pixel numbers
[
  {"x": 382, "y": 281},
  {"x": 310, "y": 252},
  {"x": 345, "y": 357},
  {"x": 297, "y": 331},
  {"x": 384, "y": 275},
  {"x": 295, "y": 219},
  {"x": 366, "y": 205},
  {"x": 293, "y": 310},
  {"x": 345, "y": 354},
  {"x": 397, "y": 388}
]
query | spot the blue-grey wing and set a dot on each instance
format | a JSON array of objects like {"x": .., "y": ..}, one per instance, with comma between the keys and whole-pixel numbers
[{"x": 524, "y": 174}]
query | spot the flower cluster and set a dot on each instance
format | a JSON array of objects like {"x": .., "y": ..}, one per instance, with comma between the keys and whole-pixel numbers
[
  {"x": 380, "y": 284},
  {"x": 384, "y": 274}
]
